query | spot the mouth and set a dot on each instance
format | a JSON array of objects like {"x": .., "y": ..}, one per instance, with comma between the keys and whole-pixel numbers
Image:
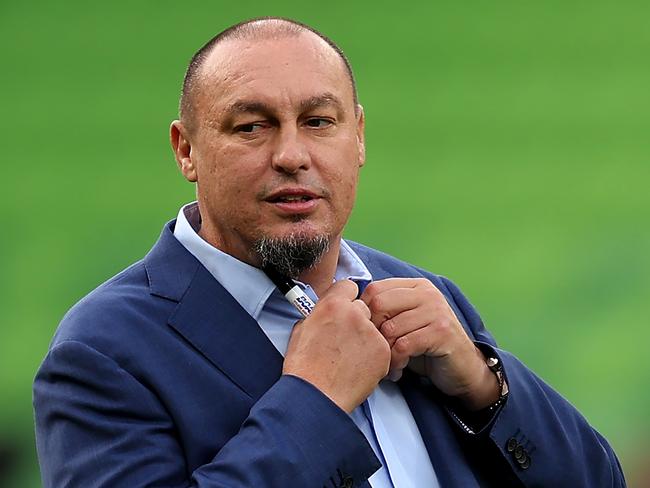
[
  {"x": 293, "y": 200},
  {"x": 291, "y": 195},
  {"x": 290, "y": 198}
]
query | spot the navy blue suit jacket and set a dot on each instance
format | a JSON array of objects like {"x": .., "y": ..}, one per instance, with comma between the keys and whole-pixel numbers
[{"x": 159, "y": 378}]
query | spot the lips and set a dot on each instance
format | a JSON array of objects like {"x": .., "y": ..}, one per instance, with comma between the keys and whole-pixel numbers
[
  {"x": 291, "y": 195},
  {"x": 293, "y": 200}
]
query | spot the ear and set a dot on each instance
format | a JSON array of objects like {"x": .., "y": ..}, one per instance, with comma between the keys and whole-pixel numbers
[
  {"x": 361, "y": 135},
  {"x": 182, "y": 148}
]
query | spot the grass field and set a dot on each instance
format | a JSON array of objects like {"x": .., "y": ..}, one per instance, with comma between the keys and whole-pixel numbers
[{"x": 508, "y": 149}]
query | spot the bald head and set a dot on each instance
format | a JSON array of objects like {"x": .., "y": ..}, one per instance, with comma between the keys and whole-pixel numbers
[{"x": 262, "y": 29}]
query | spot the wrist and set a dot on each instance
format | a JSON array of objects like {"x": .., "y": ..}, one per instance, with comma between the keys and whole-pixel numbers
[{"x": 490, "y": 388}]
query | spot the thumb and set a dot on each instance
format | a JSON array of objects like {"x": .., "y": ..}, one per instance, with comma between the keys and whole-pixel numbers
[{"x": 343, "y": 289}]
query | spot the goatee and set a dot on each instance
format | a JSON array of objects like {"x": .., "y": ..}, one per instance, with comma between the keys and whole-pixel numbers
[{"x": 293, "y": 254}]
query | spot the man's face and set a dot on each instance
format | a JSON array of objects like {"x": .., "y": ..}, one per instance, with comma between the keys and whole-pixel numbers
[{"x": 277, "y": 144}]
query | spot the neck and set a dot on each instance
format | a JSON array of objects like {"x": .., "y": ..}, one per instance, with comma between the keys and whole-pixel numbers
[{"x": 321, "y": 276}]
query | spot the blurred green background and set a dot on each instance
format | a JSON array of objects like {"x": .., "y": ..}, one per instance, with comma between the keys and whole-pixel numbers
[{"x": 508, "y": 149}]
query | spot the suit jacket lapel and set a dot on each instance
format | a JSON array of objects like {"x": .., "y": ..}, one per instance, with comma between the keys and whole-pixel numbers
[{"x": 210, "y": 319}]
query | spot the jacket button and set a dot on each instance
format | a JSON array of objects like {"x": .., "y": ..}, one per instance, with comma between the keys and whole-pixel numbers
[
  {"x": 512, "y": 444},
  {"x": 525, "y": 464},
  {"x": 519, "y": 453}
]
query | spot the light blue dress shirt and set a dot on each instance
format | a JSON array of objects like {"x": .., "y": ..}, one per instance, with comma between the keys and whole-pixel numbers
[{"x": 384, "y": 418}]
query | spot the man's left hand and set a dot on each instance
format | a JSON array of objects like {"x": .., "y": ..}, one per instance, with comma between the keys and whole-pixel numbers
[{"x": 425, "y": 335}]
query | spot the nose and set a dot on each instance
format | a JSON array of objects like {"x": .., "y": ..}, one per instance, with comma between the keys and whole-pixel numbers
[{"x": 290, "y": 153}]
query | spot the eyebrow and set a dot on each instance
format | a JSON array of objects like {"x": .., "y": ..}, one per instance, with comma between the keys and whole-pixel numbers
[
  {"x": 244, "y": 107},
  {"x": 318, "y": 101},
  {"x": 311, "y": 103}
]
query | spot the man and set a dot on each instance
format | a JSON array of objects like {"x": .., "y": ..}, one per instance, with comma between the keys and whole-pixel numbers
[{"x": 172, "y": 373}]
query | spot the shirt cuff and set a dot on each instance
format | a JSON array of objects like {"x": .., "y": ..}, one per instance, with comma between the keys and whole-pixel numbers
[{"x": 479, "y": 422}]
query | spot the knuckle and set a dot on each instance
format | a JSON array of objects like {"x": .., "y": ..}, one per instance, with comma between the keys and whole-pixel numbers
[
  {"x": 342, "y": 288},
  {"x": 425, "y": 283},
  {"x": 421, "y": 284},
  {"x": 357, "y": 317},
  {"x": 446, "y": 325},
  {"x": 431, "y": 295},
  {"x": 376, "y": 304},
  {"x": 389, "y": 328},
  {"x": 349, "y": 288},
  {"x": 371, "y": 289},
  {"x": 362, "y": 306},
  {"x": 432, "y": 292},
  {"x": 402, "y": 345},
  {"x": 440, "y": 329}
]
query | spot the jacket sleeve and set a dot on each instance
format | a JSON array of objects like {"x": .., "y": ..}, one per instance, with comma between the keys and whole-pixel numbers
[
  {"x": 543, "y": 439},
  {"x": 97, "y": 425}
]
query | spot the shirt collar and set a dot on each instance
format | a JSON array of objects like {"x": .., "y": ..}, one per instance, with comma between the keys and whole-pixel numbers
[{"x": 248, "y": 284}]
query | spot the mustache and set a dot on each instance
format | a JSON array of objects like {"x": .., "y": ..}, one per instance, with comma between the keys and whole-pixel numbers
[{"x": 310, "y": 185}]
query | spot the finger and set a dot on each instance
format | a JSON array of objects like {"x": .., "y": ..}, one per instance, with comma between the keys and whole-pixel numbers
[
  {"x": 417, "y": 343},
  {"x": 343, "y": 288},
  {"x": 398, "y": 360},
  {"x": 381, "y": 286},
  {"x": 421, "y": 341},
  {"x": 393, "y": 302},
  {"x": 404, "y": 323},
  {"x": 363, "y": 307}
]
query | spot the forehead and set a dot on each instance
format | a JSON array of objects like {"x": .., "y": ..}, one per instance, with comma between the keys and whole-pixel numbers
[{"x": 282, "y": 71}]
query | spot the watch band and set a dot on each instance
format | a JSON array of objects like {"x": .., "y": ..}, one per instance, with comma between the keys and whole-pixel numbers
[{"x": 496, "y": 367}]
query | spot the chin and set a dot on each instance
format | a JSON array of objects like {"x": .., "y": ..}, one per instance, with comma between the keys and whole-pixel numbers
[
  {"x": 293, "y": 252},
  {"x": 301, "y": 229}
]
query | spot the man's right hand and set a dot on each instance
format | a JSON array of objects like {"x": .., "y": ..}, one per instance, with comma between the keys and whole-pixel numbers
[{"x": 338, "y": 349}]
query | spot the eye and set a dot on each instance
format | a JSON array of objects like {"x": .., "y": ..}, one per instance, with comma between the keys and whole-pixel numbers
[
  {"x": 319, "y": 123},
  {"x": 249, "y": 128}
]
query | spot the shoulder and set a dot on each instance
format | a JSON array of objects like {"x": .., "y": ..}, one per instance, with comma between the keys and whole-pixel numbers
[
  {"x": 107, "y": 318},
  {"x": 133, "y": 306}
]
